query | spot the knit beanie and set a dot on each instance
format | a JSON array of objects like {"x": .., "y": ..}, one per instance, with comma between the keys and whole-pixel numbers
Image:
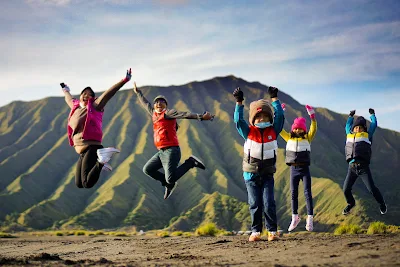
[
  {"x": 90, "y": 90},
  {"x": 258, "y": 106},
  {"x": 360, "y": 121},
  {"x": 299, "y": 123},
  {"x": 160, "y": 97}
]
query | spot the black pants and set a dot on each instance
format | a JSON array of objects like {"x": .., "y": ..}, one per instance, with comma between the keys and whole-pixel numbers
[
  {"x": 168, "y": 159},
  {"x": 356, "y": 170},
  {"x": 88, "y": 168},
  {"x": 298, "y": 173}
]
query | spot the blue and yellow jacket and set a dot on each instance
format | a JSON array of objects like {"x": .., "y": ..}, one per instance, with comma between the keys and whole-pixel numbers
[{"x": 358, "y": 145}]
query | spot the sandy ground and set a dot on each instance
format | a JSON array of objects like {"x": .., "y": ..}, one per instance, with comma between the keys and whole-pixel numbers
[{"x": 290, "y": 250}]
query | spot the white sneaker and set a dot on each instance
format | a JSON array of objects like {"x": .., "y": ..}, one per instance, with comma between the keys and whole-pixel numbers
[
  {"x": 309, "y": 223},
  {"x": 107, "y": 167},
  {"x": 294, "y": 223},
  {"x": 104, "y": 154}
]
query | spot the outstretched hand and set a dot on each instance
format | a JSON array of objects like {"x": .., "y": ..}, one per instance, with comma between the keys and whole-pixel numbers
[
  {"x": 273, "y": 92},
  {"x": 128, "y": 75},
  {"x": 352, "y": 113},
  {"x": 283, "y": 105},
  {"x": 371, "y": 111},
  {"x": 238, "y": 94},
  {"x": 310, "y": 111},
  {"x": 207, "y": 116},
  {"x": 65, "y": 87}
]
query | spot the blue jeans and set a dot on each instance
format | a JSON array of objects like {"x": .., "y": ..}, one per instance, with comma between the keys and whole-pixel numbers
[
  {"x": 260, "y": 191},
  {"x": 298, "y": 173},
  {"x": 359, "y": 170},
  {"x": 168, "y": 159}
]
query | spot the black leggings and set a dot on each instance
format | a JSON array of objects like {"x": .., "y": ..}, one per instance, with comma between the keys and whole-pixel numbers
[{"x": 88, "y": 168}]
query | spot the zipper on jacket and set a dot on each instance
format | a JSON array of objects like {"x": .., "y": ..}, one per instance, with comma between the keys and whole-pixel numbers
[{"x": 354, "y": 144}]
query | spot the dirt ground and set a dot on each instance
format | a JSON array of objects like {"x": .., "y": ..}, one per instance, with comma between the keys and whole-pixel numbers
[{"x": 291, "y": 250}]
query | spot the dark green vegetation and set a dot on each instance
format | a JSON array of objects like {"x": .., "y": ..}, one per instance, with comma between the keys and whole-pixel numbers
[{"x": 37, "y": 166}]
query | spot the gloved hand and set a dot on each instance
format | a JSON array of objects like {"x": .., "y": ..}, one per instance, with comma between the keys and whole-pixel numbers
[
  {"x": 273, "y": 91},
  {"x": 238, "y": 94},
  {"x": 283, "y": 105},
  {"x": 65, "y": 87},
  {"x": 352, "y": 112},
  {"x": 128, "y": 75},
  {"x": 310, "y": 111},
  {"x": 371, "y": 111}
]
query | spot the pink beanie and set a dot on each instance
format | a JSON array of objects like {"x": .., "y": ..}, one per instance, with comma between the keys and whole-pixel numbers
[{"x": 299, "y": 123}]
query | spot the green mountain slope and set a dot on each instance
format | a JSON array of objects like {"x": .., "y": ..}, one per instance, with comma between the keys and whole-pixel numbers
[{"x": 37, "y": 165}]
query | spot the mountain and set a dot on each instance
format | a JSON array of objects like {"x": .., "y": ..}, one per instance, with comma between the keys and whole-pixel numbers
[{"x": 37, "y": 165}]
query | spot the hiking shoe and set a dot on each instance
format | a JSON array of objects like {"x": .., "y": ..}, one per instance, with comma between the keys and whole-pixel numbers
[
  {"x": 255, "y": 236},
  {"x": 383, "y": 208},
  {"x": 169, "y": 188},
  {"x": 104, "y": 154},
  {"x": 309, "y": 223},
  {"x": 272, "y": 236},
  {"x": 107, "y": 167},
  {"x": 197, "y": 162},
  {"x": 347, "y": 209},
  {"x": 294, "y": 223}
]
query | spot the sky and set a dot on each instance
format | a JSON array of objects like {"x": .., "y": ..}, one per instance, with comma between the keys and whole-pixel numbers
[{"x": 341, "y": 55}]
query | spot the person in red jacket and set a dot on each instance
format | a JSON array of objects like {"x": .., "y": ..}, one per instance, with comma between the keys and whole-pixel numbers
[
  {"x": 85, "y": 132},
  {"x": 166, "y": 141}
]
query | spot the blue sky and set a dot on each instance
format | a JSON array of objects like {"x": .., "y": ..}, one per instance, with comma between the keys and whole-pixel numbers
[{"x": 341, "y": 55}]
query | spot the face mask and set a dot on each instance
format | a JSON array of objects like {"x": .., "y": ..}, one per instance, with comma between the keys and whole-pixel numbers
[{"x": 263, "y": 125}]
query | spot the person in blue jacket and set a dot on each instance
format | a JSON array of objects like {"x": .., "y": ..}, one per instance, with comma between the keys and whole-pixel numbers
[
  {"x": 358, "y": 155},
  {"x": 259, "y": 160}
]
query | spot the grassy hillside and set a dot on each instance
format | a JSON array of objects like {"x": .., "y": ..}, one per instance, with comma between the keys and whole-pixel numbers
[{"x": 37, "y": 166}]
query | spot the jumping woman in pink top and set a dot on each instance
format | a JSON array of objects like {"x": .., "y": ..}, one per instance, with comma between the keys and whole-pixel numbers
[{"x": 85, "y": 132}]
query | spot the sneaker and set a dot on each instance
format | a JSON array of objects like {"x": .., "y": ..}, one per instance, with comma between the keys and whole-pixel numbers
[
  {"x": 294, "y": 223},
  {"x": 197, "y": 162},
  {"x": 104, "y": 154},
  {"x": 107, "y": 167},
  {"x": 169, "y": 188},
  {"x": 255, "y": 236},
  {"x": 347, "y": 209},
  {"x": 272, "y": 236},
  {"x": 383, "y": 208},
  {"x": 309, "y": 223}
]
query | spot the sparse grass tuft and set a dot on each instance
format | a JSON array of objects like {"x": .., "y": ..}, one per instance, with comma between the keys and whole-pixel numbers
[
  {"x": 177, "y": 233},
  {"x": 59, "y": 233},
  {"x": 351, "y": 229},
  {"x": 99, "y": 233},
  {"x": 187, "y": 234},
  {"x": 120, "y": 234},
  {"x": 6, "y": 235},
  {"x": 393, "y": 229},
  {"x": 207, "y": 229},
  {"x": 163, "y": 234},
  {"x": 377, "y": 228},
  {"x": 80, "y": 232}
]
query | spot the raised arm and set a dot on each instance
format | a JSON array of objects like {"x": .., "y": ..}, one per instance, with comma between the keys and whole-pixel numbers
[
  {"x": 279, "y": 116},
  {"x": 175, "y": 114},
  {"x": 67, "y": 95},
  {"x": 349, "y": 122},
  {"x": 102, "y": 100},
  {"x": 241, "y": 125},
  {"x": 143, "y": 101},
  {"x": 373, "y": 125},
  {"x": 313, "y": 127}
]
